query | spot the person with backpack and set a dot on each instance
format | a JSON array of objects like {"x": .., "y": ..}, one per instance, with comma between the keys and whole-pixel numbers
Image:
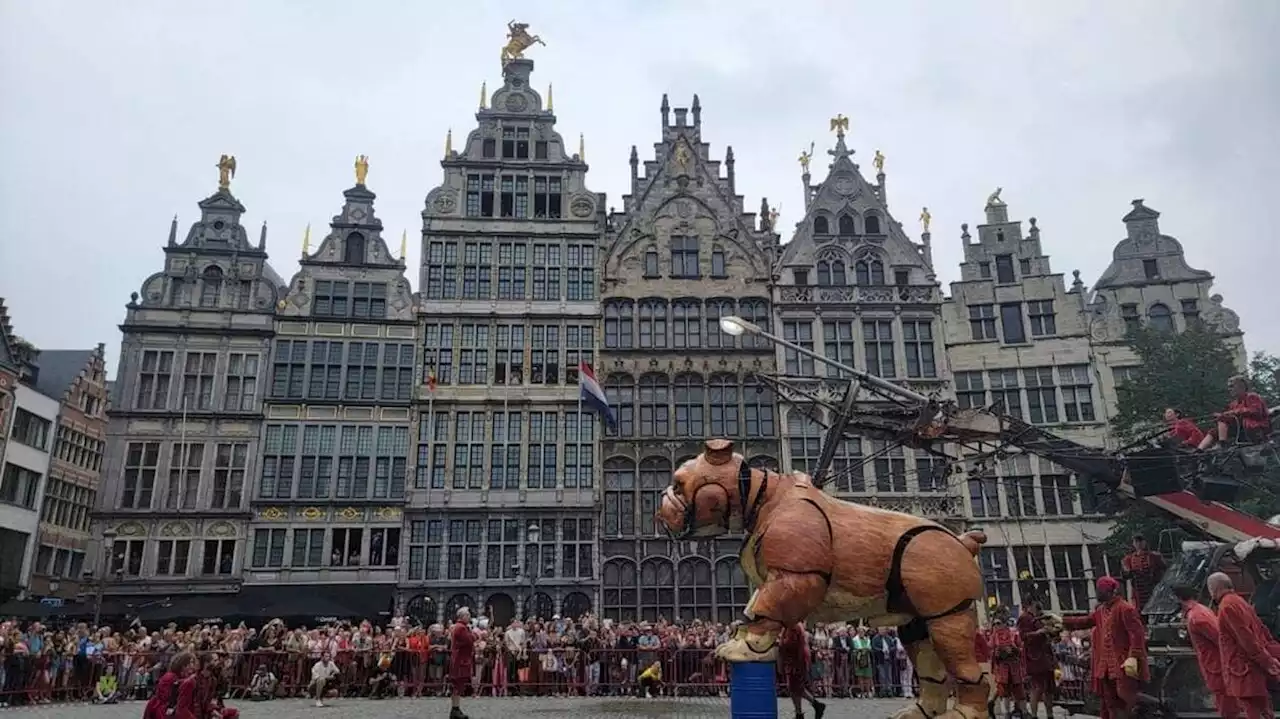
[{"x": 164, "y": 701}]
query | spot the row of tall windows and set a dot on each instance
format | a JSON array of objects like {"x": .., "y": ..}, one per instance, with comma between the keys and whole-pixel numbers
[
  {"x": 689, "y": 405},
  {"x": 655, "y": 323},
  {"x": 476, "y": 449},
  {"x": 329, "y": 370},
  {"x": 506, "y": 353},
  {"x": 329, "y": 461},
  {"x": 219, "y": 466},
  {"x": 870, "y": 345},
  {"x": 1039, "y": 395},
  {"x": 546, "y": 269},
  {"x": 501, "y": 548},
  {"x": 315, "y": 548},
  {"x": 198, "y": 381}
]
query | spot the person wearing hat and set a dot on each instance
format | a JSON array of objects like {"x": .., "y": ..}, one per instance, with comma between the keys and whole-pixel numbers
[
  {"x": 1249, "y": 654},
  {"x": 1119, "y": 649},
  {"x": 1143, "y": 569},
  {"x": 1202, "y": 631}
]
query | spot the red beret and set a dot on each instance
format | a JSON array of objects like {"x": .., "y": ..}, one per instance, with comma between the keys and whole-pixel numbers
[{"x": 1108, "y": 584}]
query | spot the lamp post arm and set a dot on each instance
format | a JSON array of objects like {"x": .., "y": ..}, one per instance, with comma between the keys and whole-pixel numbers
[{"x": 865, "y": 377}]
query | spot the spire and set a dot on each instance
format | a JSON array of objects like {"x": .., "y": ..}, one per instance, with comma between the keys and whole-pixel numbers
[
  {"x": 262, "y": 238},
  {"x": 697, "y": 111},
  {"x": 582, "y": 147},
  {"x": 173, "y": 232},
  {"x": 484, "y": 95},
  {"x": 448, "y": 144},
  {"x": 404, "y": 243},
  {"x": 840, "y": 124},
  {"x": 666, "y": 113},
  {"x": 551, "y": 103},
  {"x": 728, "y": 163},
  {"x": 306, "y": 241},
  {"x": 635, "y": 171}
]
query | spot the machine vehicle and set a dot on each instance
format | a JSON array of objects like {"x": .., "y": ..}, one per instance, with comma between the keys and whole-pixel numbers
[{"x": 1193, "y": 487}]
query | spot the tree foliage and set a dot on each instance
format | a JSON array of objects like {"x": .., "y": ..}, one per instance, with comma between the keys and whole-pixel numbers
[{"x": 1187, "y": 371}]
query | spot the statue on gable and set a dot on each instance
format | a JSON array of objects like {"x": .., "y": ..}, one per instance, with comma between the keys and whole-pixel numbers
[{"x": 518, "y": 40}]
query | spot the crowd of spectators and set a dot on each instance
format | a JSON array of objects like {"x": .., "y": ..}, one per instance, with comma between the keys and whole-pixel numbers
[{"x": 559, "y": 656}]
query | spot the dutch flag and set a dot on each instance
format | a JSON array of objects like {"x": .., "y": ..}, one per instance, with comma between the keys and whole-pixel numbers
[{"x": 590, "y": 392}]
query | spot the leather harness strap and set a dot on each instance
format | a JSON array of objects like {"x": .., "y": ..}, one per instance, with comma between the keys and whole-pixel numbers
[{"x": 896, "y": 599}]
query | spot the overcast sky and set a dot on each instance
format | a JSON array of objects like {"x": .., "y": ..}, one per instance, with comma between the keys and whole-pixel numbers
[{"x": 113, "y": 115}]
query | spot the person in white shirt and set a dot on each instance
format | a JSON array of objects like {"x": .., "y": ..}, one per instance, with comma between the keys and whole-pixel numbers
[{"x": 323, "y": 672}]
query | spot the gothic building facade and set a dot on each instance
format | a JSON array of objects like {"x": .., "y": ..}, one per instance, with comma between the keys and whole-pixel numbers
[
  {"x": 502, "y": 507},
  {"x": 186, "y": 413},
  {"x": 680, "y": 255},
  {"x": 328, "y": 500},
  {"x": 1017, "y": 339},
  {"x": 855, "y": 288}
]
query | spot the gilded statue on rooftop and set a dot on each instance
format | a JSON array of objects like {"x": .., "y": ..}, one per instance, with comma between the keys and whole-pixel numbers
[
  {"x": 806, "y": 158},
  {"x": 518, "y": 40},
  {"x": 840, "y": 125},
  {"x": 226, "y": 171},
  {"x": 362, "y": 169}
]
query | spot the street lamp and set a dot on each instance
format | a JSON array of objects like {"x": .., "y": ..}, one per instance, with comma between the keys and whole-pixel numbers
[
  {"x": 108, "y": 542},
  {"x": 736, "y": 327}
]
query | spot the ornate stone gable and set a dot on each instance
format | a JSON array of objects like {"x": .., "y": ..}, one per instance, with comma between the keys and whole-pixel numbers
[{"x": 1145, "y": 243}]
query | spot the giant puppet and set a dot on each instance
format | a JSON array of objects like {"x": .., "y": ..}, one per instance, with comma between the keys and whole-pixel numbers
[{"x": 811, "y": 556}]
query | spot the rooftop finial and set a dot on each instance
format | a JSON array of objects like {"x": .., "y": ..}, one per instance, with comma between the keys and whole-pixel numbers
[
  {"x": 840, "y": 125},
  {"x": 362, "y": 169},
  {"x": 806, "y": 158},
  {"x": 518, "y": 40},
  {"x": 448, "y": 144},
  {"x": 484, "y": 95},
  {"x": 582, "y": 147},
  {"x": 173, "y": 231},
  {"x": 226, "y": 171},
  {"x": 925, "y": 219},
  {"x": 551, "y": 103},
  {"x": 306, "y": 241},
  {"x": 404, "y": 243},
  {"x": 879, "y": 162}
]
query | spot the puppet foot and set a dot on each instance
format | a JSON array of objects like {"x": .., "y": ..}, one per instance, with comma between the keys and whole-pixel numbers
[
  {"x": 749, "y": 647},
  {"x": 915, "y": 711}
]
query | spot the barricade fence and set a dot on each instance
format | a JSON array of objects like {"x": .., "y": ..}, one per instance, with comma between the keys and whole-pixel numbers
[{"x": 425, "y": 673}]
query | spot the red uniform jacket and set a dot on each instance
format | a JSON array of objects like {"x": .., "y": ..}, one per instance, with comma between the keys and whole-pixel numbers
[
  {"x": 1037, "y": 650},
  {"x": 1117, "y": 635},
  {"x": 1202, "y": 628},
  {"x": 981, "y": 647},
  {"x": 1143, "y": 570},
  {"x": 1251, "y": 410},
  {"x": 1248, "y": 652},
  {"x": 188, "y": 707},
  {"x": 1188, "y": 434},
  {"x": 462, "y": 651},
  {"x": 793, "y": 649},
  {"x": 1006, "y": 655},
  {"x": 158, "y": 705}
]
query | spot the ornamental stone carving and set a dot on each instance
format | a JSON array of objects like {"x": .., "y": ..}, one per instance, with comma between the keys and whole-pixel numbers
[{"x": 582, "y": 206}]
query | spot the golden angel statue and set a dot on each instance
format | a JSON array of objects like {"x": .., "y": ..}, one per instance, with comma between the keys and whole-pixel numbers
[
  {"x": 518, "y": 40},
  {"x": 993, "y": 200},
  {"x": 773, "y": 218},
  {"x": 226, "y": 171},
  {"x": 806, "y": 158},
  {"x": 879, "y": 162},
  {"x": 925, "y": 218},
  {"x": 683, "y": 156},
  {"x": 839, "y": 125},
  {"x": 362, "y": 169}
]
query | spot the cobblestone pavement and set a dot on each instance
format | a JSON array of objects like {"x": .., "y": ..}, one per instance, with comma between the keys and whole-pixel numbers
[{"x": 515, "y": 708}]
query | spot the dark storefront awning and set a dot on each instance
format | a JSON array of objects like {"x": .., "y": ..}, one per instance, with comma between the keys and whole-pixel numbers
[
  {"x": 32, "y": 609},
  {"x": 191, "y": 608},
  {"x": 300, "y": 603}
]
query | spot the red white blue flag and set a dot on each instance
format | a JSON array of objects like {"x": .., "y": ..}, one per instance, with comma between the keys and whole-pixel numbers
[{"x": 590, "y": 393}]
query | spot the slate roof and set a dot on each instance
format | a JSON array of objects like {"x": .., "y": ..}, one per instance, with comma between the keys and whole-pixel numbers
[{"x": 59, "y": 368}]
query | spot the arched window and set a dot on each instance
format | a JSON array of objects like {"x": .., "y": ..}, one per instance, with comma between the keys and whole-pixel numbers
[
  {"x": 716, "y": 337},
  {"x": 619, "y": 324},
  {"x": 655, "y": 476},
  {"x": 1160, "y": 317},
  {"x": 724, "y": 406},
  {"x": 655, "y": 406},
  {"x": 619, "y": 590},
  {"x": 621, "y": 391},
  {"x": 869, "y": 270},
  {"x": 422, "y": 610},
  {"x": 805, "y": 439},
  {"x": 354, "y": 249},
  {"x": 837, "y": 274},
  {"x": 732, "y": 590},
  {"x": 824, "y": 273},
  {"x": 755, "y": 311},
  {"x": 651, "y": 263},
  {"x": 719, "y": 266},
  {"x": 456, "y": 602},
  {"x": 575, "y": 605},
  {"x": 695, "y": 588},
  {"x": 871, "y": 223},
  {"x": 657, "y": 590},
  {"x": 821, "y": 226},
  {"x": 502, "y": 609},
  {"x": 619, "y": 497},
  {"x": 211, "y": 286},
  {"x": 688, "y": 397},
  {"x": 653, "y": 324},
  {"x": 846, "y": 225},
  {"x": 758, "y": 410},
  {"x": 686, "y": 324},
  {"x": 539, "y": 605}
]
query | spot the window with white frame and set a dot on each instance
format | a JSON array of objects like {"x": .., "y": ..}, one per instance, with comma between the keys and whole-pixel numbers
[
  {"x": 504, "y": 452},
  {"x": 153, "y": 379},
  {"x": 579, "y": 450},
  {"x": 1077, "y": 392},
  {"x": 184, "y": 475},
  {"x": 798, "y": 333},
  {"x": 1069, "y": 580},
  {"x": 543, "y": 438},
  {"x": 1019, "y": 486},
  {"x": 197, "y": 380},
  {"x": 268, "y": 548},
  {"x": 996, "y": 574},
  {"x": 229, "y": 465},
  {"x": 219, "y": 557},
  {"x": 141, "y": 464},
  {"x": 126, "y": 557},
  {"x": 241, "y": 391},
  {"x": 917, "y": 339},
  {"x": 971, "y": 390},
  {"x": 308, "y": 548},
  {"x": 172, "y": 556},
  {"x": 1042, "y": 396},
  {"x": 877, "y": 341},
  {"x": 804, "y": 438},
  {"x": 1005, "y": 392},
  {"x": 890, "y": 466},
  {"x": 838, "y": 345}
]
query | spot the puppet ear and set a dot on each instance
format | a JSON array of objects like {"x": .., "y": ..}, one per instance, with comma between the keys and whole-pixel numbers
[{"x": 719, "y": 451}]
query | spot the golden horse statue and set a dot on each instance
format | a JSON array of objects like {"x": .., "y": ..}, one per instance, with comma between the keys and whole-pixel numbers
[{"x": 518, "y": 40}]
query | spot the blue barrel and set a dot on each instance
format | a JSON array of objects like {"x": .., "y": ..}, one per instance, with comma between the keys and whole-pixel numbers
[{"x": 753, "y": 690}]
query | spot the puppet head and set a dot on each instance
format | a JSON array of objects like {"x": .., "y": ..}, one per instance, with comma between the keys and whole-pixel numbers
[{"x": 704, "y": 497}]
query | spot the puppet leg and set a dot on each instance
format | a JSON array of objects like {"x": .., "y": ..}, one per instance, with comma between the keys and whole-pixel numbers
[
  {"x": 785, "y": 598},
  {"x": 934, "y": 687},
  {"x": 952, "y": 640}
]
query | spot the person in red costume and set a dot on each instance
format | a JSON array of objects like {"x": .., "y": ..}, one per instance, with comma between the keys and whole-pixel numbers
[
  {"x": 1248, "y": 652},
  {"x": 1143, "y": 568},
  {"x": 1245, "y": 420},
  {"x": 1118, "y": 650},
  {"x": 189, "y": 705},
  {"x": 1006, "y": 661},
  {"x": 982, "y": 652},
  {"x": 462, "y": 654},
  {"x": 1037, "y": 657},
  {"x": 793, "y": 651},
  {"x": 1182, "y": 431},
  {"x": 1202, "y": 630},
  {"x": 166, "y": 697}
]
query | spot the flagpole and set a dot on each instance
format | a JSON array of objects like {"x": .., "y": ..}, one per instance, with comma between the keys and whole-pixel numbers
[
  {"x": 183, "y": 457},
  {"x": 431, "y": 430}
]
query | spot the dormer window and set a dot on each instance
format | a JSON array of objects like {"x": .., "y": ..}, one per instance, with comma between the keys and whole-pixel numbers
[
  {"x": 821, "y": 226},
  {"x": 984, "y": 270},
  {"x": 1004, "y": 269},
  {"x": 1160, "y": 317},
  {"x": 846, "y": 225},
  {"x": 869, "y": 271},
  {"x": 801, "y": 277},
  {"x": 831, "y": 273},
  {"x": 871, "y": 224},
  {"x": 1151, "y": 269},
  {"x": 515, "y": 143},
  {"x": 353, "y": 251},
  {"x": 211, "y": 286},
  {"x": 489, "y": 148}
]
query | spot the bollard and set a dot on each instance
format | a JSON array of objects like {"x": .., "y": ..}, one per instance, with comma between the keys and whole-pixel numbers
[{"x": 753, "y": 690}]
